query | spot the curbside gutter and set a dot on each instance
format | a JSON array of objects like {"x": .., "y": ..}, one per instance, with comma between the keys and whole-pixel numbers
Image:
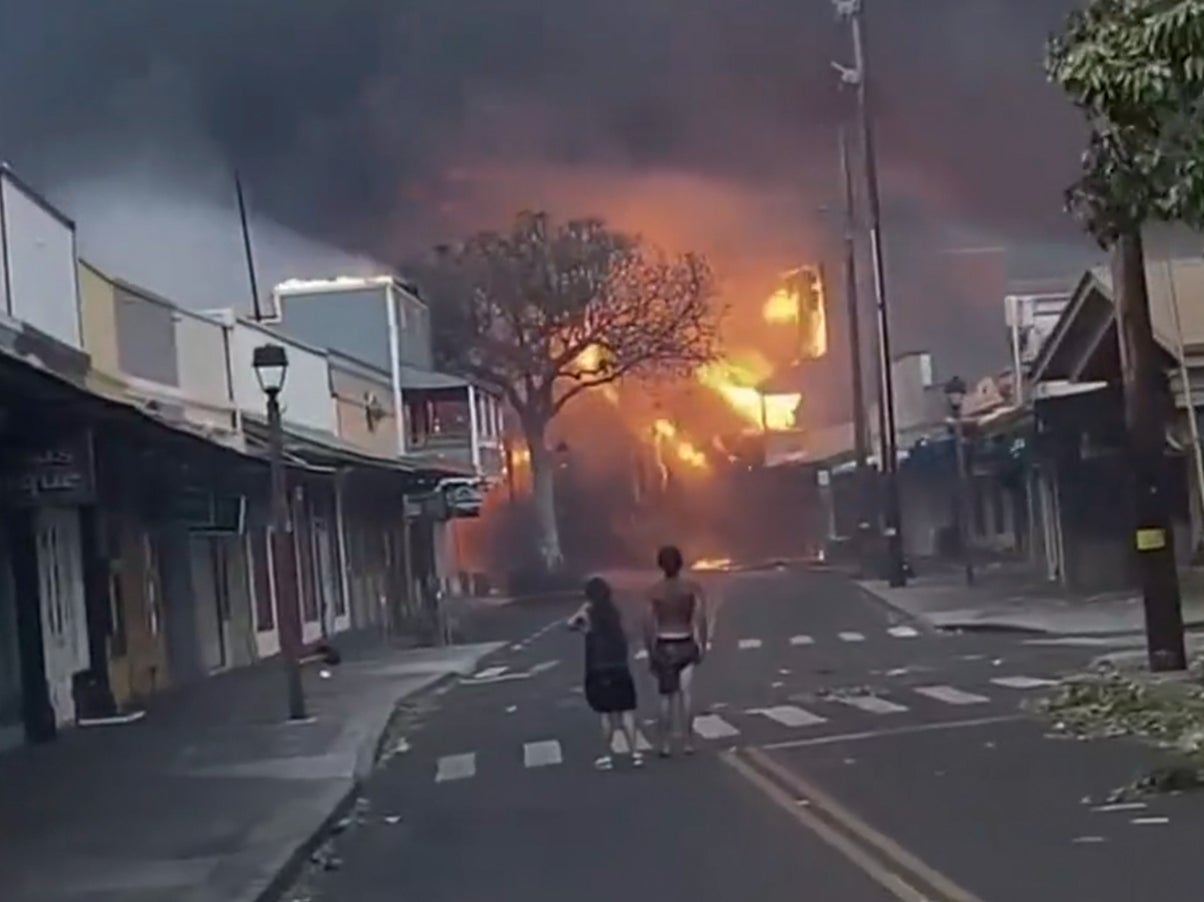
[
  {"x": 256, "y": 876},
  {"x": 289, "y": 864}
]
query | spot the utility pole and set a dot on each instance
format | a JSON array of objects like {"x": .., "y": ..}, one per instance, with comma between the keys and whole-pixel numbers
[
  {"x": 858, "y": 75},
  {"x": 246, "y": 246},
  {"x": 860, "y": 439},
  {"x": 1141, "y": 373}
]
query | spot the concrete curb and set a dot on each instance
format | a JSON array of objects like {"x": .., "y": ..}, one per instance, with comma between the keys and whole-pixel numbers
[
  {"x": 898, "y": 614},
  {"x": 368, "y": 754},
  {"x": 292, "y": 863},
  {"x": 1002, "y": 624}
]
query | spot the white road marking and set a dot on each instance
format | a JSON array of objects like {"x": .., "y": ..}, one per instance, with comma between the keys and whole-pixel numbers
[
  {"x": 500, "y": 678},
  {"x": 904, "y": 632},
  {"x": 893, "y": 731},
  {"x": 749, "y": 643},
  {"x": 1120, "y": 806},
  {"x": 456, "y": 767},
  {"x": 870, "y": 703},
  {"x": 1022, "y": 682},
  {"x": 542, "y": 666},
  {"x": 542, "y": 754},
  {"x": 618, "y": 744},
  {"x": 1087, "y": 642},
  {"x": 852, "y": 637},
  {"x": 801, "y": 640},
  {"x": 489, "y": 673},
  {"x": 712, "y": 726},
  {"x": 1147, "y": 821},
  {"x": 790, "y": 716},
  {"x": 951, "y": 696}
]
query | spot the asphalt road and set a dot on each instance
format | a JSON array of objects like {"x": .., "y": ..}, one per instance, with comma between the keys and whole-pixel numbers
[{"x": 847, "y": 755}]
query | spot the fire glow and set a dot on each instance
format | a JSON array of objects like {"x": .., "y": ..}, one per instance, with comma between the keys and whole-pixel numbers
[
  {"x": 666, "y": 433},
  {"x": 782, "y": 307},
  {"x": 736, "y": 382}
]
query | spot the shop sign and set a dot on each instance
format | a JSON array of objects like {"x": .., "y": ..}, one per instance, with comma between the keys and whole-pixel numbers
[{"x": 59, "y": 473}]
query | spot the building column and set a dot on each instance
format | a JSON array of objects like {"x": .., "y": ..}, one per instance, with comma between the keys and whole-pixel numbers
[{"x": 474, "y": 428}]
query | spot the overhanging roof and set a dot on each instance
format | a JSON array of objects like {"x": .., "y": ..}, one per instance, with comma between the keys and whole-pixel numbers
[
  {"x": 318, "y": 448},
  {"x": 416, "y": 379},
  {"x": 1084, "y": 343}
]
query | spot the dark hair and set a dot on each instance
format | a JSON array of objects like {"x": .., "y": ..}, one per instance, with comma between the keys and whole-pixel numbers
[
  {"x": 670, "y": 561},
  {"x": 603, "y": 611}
]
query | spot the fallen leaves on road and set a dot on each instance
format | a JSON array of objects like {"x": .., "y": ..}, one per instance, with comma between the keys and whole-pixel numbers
[{"x": 1109, "y": 703}]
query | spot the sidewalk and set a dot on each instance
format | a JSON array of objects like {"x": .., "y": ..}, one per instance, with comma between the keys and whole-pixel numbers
[
  {"x": 1007, "y": 597},
  {"x": 213, "y": 793}
]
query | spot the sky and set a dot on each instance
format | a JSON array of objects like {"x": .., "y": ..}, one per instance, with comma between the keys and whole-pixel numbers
[{"x": 386, "y": 126}]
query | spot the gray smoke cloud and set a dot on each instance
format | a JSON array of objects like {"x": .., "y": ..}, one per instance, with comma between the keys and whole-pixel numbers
[
  {"x": 387, "y": 125},
  {"x": 347, "y": 115}
]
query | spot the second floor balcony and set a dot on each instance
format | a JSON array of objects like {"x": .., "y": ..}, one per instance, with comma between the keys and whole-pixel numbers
[{"x": 450, "y": 418}]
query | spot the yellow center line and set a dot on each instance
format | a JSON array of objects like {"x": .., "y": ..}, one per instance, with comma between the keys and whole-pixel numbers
[
  {"x": 856, "y": 839},
  {"x": 888, "y": 879}
]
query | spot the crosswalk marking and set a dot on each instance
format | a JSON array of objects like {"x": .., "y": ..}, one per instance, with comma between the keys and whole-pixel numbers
[
  {"x": 456, "y": 767},
  {"x": 851, "y": 637},
  {"x": 951, "y": 696},
  {"x": 903, "y": 632},
  {"x": 542, "y": 754},
  {"x": 749, "y": 643},
  {"x": 801, "y": 640},
  {"x": 790, "y": 716},
  {"x": 489, "y": 673},
  {"x": 870, "y": 704},
  {"x": 618, "y": 744},
  {"x": 1022, "y": 682},
  {"x": 712, "y": 726}
]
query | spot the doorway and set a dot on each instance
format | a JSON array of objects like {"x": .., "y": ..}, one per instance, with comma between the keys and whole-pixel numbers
[{"x": 61, "y": 601}]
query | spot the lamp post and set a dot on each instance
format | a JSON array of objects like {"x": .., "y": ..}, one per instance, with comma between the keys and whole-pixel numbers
[
  {"x": 271, "y": 367},
  {"x": 955, "y": 393}
]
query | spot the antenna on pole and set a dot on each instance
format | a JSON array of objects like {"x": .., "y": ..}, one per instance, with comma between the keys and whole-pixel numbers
[{"x": 246, "y": 243}]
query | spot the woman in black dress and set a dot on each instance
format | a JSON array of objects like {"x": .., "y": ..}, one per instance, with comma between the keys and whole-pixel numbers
[{"x": 609, "y": 688}]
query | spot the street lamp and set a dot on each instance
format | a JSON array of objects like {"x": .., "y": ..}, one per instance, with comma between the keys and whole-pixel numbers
[
  {"x": 955, "y": 393},
  {"x": 271, "y": 367}
]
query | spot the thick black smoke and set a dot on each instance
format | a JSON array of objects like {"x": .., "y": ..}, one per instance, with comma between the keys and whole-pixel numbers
[{"x": 347, "y": 116}]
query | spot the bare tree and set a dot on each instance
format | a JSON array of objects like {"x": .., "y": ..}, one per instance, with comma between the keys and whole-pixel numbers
[{"x": 547, "y": 311}]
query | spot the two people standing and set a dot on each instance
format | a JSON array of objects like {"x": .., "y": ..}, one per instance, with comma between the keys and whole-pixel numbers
[{"x": 676, "y": 632}]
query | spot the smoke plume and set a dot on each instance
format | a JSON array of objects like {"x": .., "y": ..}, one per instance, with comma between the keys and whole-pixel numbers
[{"x": 385, "y": 126}]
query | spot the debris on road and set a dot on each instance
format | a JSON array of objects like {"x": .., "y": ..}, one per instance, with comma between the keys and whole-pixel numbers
[{"x": 1107, "y": 703}]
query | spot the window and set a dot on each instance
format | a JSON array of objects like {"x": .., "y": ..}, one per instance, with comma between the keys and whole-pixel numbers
[{"x": 261, "y": 580}]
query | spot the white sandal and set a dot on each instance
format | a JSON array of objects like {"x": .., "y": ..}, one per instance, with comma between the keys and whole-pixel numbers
[{"x": 605, "y": 762}]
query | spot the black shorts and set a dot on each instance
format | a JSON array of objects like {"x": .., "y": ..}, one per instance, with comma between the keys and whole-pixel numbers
[
  {"x": 610, "y": 691},
  {"x": 669, "y": 658}
]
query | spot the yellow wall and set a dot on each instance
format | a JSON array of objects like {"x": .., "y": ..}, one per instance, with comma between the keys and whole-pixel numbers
[{"x": 98, "y": 311}]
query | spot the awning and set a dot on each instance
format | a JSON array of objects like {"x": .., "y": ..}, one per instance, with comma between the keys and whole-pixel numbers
[
  {"x": 429, "y": 380},
  {"x": 315, "y": 448}
]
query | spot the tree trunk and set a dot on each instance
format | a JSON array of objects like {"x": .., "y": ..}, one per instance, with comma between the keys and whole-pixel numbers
[
  {"x": 543, "y": 475},
  {"x": 1145, "y": 420}
]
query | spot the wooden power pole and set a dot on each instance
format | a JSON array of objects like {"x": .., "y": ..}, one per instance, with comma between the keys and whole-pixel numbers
[{"x": 1145, "y": 422}]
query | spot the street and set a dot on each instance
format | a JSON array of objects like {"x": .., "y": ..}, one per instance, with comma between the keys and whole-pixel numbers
[{"x": 846, "y": 755}]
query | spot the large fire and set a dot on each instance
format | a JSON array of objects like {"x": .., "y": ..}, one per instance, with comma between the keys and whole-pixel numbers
[
  {"x": 666, "y": 433},
  {"x": 736, "y": 380},
  {"x": 782, "y": 307}
]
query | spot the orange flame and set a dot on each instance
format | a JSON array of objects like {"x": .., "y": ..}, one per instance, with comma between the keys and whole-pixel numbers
[
  {"x": 665, "y": 432},
  {"x": 782, "y": 307},
  {"x": 736, "y": 382}
]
